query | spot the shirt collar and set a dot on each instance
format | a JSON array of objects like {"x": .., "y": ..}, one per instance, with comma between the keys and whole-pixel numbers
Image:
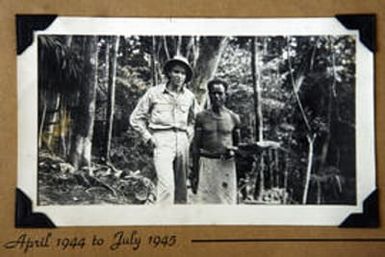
[{"x": 165, "y": 90}]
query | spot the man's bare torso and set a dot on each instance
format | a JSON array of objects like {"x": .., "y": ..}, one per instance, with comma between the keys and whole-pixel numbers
[{"x": 216, "y": 130}]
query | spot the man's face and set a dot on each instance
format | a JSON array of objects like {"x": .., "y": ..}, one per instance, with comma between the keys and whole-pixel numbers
[
  {"x": 177, "y": 75},
  {"x": 217, "y": 95}
]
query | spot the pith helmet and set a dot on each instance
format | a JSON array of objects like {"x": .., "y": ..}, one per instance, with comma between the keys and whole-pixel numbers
[{"x": 181, "y": 61}]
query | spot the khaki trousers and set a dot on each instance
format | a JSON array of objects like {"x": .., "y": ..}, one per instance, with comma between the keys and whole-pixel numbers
[{"x": 171, "y": 156}]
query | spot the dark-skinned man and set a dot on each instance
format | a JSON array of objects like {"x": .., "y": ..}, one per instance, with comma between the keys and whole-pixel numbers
[{"x": 216, "y": 137}]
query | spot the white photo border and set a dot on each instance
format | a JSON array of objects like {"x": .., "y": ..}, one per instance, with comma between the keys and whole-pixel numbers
[{"x": 115, "y": 215}]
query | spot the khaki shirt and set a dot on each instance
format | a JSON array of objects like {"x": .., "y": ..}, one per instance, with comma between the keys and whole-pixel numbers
[{"x": 161, "y": 109}]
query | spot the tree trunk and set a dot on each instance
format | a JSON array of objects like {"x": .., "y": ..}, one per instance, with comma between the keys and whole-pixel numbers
[
  {"x": 178, "y": 45},
  {"x": 111, "y": 98},
  {"x": 63, "y": 127},
  {"x": 80, "y": 153},
  {"x": 285, "y": 176},
  {"x": 310, "y": 140},
  {"x": 190, "y": 49},
  {"x": 270, "y": 154},
  {"x": 296, "y": 84},
  {"x": 69, "y": 41},
  {"x": 53, "y": 120},
  {"x": 261, "y": 184},
  {"x": 319, "y": 193},
  {"x": 276, "y": 168},
  {"x": 65, "y": 116},
  {"x": 42, "y": 120},
  {"x": 331, "y": 105},
  {"x": 210, "y": 51},
  {"x": 165, "y": 46},
  {"x": 195, "y": 50},
  {"x": 325, "y": 146},
  {"x": 255, "y": 68},
  {"x": 69, "y": 132},
  {"x": 153, "y": 62}
]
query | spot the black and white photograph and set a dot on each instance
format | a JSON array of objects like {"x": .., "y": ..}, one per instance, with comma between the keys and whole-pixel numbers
[{"x": 220, "y": 121}]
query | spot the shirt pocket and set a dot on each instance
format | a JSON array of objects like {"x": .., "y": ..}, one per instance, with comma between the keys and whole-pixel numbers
[
  {"x": 161, "y": 107},
  {"x": 162, "y": 114},
  {"x": 184, "y": 108},
  {"x": 182, "y": 115}
]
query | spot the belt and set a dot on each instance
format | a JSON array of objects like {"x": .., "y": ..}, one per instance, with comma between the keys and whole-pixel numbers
[
  {"x": 210, "y": 155},
  {"x": 169, "y": 129}
]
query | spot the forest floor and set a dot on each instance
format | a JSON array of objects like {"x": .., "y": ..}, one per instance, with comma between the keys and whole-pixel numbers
[{"x": 60, "y": 184}]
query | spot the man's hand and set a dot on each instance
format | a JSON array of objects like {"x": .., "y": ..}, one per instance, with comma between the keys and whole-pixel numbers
[
  {"x": 230, "y": 153},
  {"x": 193, "y": 177},
  {"x": 194, "y": 172},
  {"x": 151, "y": 144}
]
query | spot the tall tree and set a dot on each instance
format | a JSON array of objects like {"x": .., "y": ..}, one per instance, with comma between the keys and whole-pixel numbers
[
  {"x": 80, "y": 152},
  {"x": 256, "y": 75},
  {"x": 111, "y": 96},
  {"x": 296, "y": 83},
  {"x": 210, "y": 51},
  {"x": 153, "y": 61}
]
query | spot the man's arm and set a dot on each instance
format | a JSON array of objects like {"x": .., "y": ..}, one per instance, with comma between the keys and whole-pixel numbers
[
  {"x": 237, "y": 130},
  {"x": 196, "y": 144},
  {"x": 139, "y": 117},
  {"x": 193, "y": 111},
  {"x": 236, "y": 137}
]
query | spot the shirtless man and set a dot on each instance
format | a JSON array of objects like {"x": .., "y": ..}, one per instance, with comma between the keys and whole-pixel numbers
[{"x": 216, "y": 136}]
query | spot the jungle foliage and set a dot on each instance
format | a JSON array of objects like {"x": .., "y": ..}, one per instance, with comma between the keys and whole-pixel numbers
[{"x": 294, "y": 94}]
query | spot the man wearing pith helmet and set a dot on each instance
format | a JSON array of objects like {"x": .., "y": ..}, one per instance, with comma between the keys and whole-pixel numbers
[{"x": 164, "y": 117}]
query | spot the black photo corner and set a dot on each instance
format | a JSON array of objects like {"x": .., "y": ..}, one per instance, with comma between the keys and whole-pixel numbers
[
  {"x": 369, "y": 218},
  {"x": 26, "y": 25},
  {"x": 24, "y": 215},
  {"x": 366, "y": 25}
]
